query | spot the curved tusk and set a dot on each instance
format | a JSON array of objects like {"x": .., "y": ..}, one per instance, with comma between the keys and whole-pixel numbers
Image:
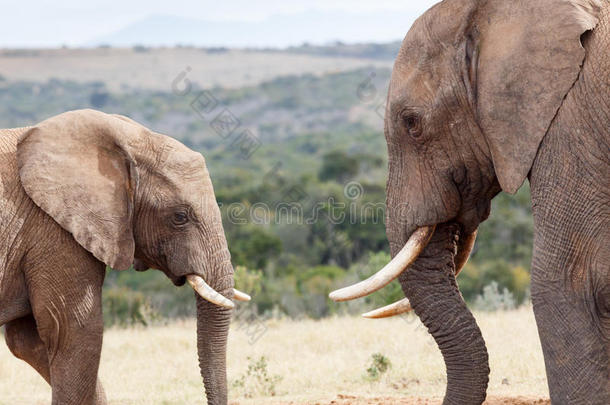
[
  {"x": 208, "y": 293},
  {"x": 407, "y": 255},
  {"x": 464, "y": 248},
  {"x": 397, "y": 308},
  {"x": 240, "y": 296}
]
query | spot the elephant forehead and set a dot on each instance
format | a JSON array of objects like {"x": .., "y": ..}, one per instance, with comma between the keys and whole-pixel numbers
[
  {"x": 176, "y": 156},
  {"x": 425, "y": 60},
  {"x": 190, "y": 180},
  {"x": 179, "y": 163},
  {"x": 437, "y": 29},
  {"x": 188, "y": 168},
  {"x": 183, "y": 174}
]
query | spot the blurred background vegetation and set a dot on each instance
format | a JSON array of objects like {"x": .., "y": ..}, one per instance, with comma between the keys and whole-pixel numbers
[{"x": 315, "y": 133}]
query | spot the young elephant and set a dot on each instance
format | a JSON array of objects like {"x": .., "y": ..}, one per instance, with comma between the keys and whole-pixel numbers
[{"x": 84, "y": 190}]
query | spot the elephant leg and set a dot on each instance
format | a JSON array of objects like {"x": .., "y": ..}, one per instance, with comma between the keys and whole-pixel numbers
[
  {"x": 67, "y": 309},
  {"x": 22, "y": 338},
  {"x": 24, "y": 342},
  {"x": 574, "y": 345}
]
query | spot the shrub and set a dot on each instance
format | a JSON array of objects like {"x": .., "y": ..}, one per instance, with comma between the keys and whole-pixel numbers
[
  {"x": 475, "y": 277},
  {"x": 257, "y": 380},
  {"x": 124, "y": 307},
  {"x": 141, "y": 48},
  {"x": 494, "y": 300},
  {"x": 252, "y": 246},
  {"x": 248, "y": 281},
  {"x": 313, "y": 286},
  {"x": 378, "y": 366},
  {"x": 338, "y": 166}
]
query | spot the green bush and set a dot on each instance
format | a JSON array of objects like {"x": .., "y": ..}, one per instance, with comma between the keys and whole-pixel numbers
[
  {"x": 257, "y": 381},
  {"x": 167, "y": 299},
  {"x": 313, "y": 286},
  {"x": 248, "y": 281},
  {"x": 124, "y": 307},
  {"x": 338, "y": 166},
  {"x": 475, "y": 277},
  {"x": 379, "y": 365},
  {"x": 493, "y": 299},
  {"x": 141, "y": 49},
  {"x": 252, "y": 246}
]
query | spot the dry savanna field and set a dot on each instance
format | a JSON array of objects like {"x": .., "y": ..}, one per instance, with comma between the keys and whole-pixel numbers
[
  {"x": 156, "y": 68},
  {"x": 306, "y": 362}
]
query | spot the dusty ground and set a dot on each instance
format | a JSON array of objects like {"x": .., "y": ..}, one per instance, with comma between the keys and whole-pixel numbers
[
  {"x": 354, "y": 400},
  {"x": 308, "y": 362},
  {"x": 342, "y": 399},
  {"x": 118, "y": 67}
]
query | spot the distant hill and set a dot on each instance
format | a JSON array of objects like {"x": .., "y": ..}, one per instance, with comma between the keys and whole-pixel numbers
[
  {"x": 314, "y": 27},
  {"x": 386, "y": 51}
]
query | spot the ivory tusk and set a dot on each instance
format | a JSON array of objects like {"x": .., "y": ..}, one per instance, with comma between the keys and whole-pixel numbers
[
  {"x": 208, "y": 293},
  {"x": 407, "y": 255},
  {"x": 397, "y": 308},
  {"x": 464, "y": 248},
  {"x": 240, "y": 296}
]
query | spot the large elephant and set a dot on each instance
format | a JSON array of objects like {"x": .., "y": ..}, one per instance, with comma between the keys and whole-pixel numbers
[
  {"x": 484, "y": 94},
  {"x": 83, "y": 190}
]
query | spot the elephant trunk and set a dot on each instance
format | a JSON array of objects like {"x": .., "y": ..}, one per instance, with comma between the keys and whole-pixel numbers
[
  {"x": 431, "y": 288},
  {"x": 212, "y": 334}
]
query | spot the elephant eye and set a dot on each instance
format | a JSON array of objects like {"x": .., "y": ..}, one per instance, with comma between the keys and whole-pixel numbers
[
  {"x": 180, "y": 218},
  {"x": 412, "y": 124}
]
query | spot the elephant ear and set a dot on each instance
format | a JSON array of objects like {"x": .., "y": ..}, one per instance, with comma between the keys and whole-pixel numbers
[
  {"x": 529, "y": 57},
  {"x": 78, "y": 169}
]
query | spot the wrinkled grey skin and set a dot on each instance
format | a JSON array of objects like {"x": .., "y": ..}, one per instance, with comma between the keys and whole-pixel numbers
[
  {"x": 83, "y": 190},
  {"x": 485, "y": 93}
]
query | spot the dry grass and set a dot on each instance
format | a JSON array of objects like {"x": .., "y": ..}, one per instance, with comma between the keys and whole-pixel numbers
[
  {"x": 317, "y": 361},
  {"x": 157, "y": 68}
]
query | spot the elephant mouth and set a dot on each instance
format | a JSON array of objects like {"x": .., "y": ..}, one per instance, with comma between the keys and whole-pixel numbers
[
  {"x": 416, "y": 243},
  {"x": 178, "y": 281},
  {"x": 140, "y": 265},
  {"x": 201, "y": 287}
]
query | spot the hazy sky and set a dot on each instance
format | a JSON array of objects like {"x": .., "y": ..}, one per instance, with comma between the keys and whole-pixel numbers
[{"x": 75, "y": 22}]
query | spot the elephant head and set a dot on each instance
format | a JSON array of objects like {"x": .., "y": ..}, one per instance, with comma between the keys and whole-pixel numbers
[
  {"x": 475, "y": 87},
  {"x": 128, "y": 194}
]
